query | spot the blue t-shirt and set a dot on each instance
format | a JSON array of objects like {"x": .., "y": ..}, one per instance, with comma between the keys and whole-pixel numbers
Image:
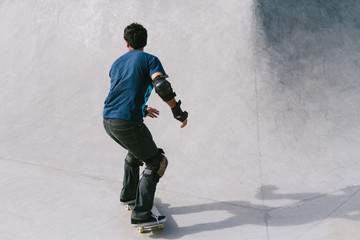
[{"x": 131, "y": 85}]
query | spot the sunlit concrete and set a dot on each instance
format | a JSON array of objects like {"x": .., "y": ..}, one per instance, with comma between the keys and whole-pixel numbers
[{"x": 271, "y": 150}]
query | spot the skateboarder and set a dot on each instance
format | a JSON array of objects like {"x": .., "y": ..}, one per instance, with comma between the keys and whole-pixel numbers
[{"x": 133, "y": 76}]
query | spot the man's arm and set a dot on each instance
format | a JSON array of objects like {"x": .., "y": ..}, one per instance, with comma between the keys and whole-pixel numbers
[{"x": 163, "y": 88}]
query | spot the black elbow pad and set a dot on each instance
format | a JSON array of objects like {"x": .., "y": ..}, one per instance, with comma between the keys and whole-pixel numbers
[{"x": 163, "y": 88}]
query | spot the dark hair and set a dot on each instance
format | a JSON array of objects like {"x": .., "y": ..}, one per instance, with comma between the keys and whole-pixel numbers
[{"x": 136, "y": 35}]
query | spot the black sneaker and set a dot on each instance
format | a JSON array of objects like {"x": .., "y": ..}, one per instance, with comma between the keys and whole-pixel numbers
[{"x": 152, "y": 220}]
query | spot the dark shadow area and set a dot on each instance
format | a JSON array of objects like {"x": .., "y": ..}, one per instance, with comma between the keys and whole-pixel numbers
[
  {"x": 269, "y": 192},
  {"x": 313, "y": 25},
  {"x": 308, "y": 40},
  {"x": 307, "y": 69},
  {"x": 344, "y": 203}
]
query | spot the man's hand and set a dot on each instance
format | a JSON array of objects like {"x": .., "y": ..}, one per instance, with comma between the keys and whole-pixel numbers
[
  {"x": 183, "y": 123},
  {"x": 152, "y": 112}
]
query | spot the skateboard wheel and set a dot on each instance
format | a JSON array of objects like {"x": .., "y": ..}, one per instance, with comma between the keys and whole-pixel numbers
[
  {"x": 161, "y": 226},
  {"x": 141, "y": 229}
]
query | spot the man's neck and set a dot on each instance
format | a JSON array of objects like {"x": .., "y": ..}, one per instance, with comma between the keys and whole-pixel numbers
[{"x": 139, "y": 49}]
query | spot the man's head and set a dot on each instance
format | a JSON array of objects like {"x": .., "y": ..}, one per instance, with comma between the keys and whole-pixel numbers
[{"x": 136, "y": 36}]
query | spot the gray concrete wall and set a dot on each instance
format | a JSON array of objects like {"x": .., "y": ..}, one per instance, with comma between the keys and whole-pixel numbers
[
  {"x": 308, "y": 93},
  {"x": 271, "y": 87},
  {"x": 55, "y": 79}
]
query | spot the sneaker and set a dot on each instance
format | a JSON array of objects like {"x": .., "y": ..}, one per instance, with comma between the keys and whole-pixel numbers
[{"x": 152, "y": 220}]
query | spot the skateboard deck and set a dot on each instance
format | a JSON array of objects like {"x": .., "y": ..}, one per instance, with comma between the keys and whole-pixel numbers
[
  {"x": 151, "y": 227},
  {"x": 129, "y": 206}
]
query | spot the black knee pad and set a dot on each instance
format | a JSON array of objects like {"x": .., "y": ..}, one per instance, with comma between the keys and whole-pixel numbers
[
  {"x": 132, "y": 161},
  {"x": 156, "y": 167}
]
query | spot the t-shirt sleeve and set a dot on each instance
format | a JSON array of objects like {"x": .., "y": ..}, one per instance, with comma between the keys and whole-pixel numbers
[{"x": 155, "y": 66}]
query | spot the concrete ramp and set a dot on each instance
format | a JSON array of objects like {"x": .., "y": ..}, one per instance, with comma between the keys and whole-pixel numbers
[{"x": 271, "y": 150}]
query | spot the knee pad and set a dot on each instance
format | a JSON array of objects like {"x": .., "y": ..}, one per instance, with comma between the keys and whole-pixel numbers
[
  {"x": 163, "y": 166},
  {"x": 156, "y": 166},
  {"x": 132, "y": 161}
]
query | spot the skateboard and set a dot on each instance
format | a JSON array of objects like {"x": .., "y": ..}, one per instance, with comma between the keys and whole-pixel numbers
[{"x": 129, "y": 206}]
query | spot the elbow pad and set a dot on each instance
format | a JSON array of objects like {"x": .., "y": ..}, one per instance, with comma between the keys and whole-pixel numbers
[{"x": 163, "y": 88}]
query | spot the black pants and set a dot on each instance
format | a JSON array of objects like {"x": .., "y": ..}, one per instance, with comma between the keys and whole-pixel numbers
[{"x": 137, "y": 139}]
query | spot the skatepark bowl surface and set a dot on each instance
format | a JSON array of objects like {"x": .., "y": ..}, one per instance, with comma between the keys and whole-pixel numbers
[{"x": 271, "y": 149}]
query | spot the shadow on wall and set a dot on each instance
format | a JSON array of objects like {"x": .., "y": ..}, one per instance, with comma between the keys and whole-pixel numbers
[
  {"x": 299, "y": 35},
  {"x": 311, "y": 25},
  {"x": 308, "y": 59},
  {"x": 311, "y": 208}
]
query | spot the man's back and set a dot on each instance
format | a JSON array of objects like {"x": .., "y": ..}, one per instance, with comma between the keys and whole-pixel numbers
[{"x": 131, "y": 85}]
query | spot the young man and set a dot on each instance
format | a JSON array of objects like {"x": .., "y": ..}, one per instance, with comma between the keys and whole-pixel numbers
[{"x": 133, "y": 76}]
